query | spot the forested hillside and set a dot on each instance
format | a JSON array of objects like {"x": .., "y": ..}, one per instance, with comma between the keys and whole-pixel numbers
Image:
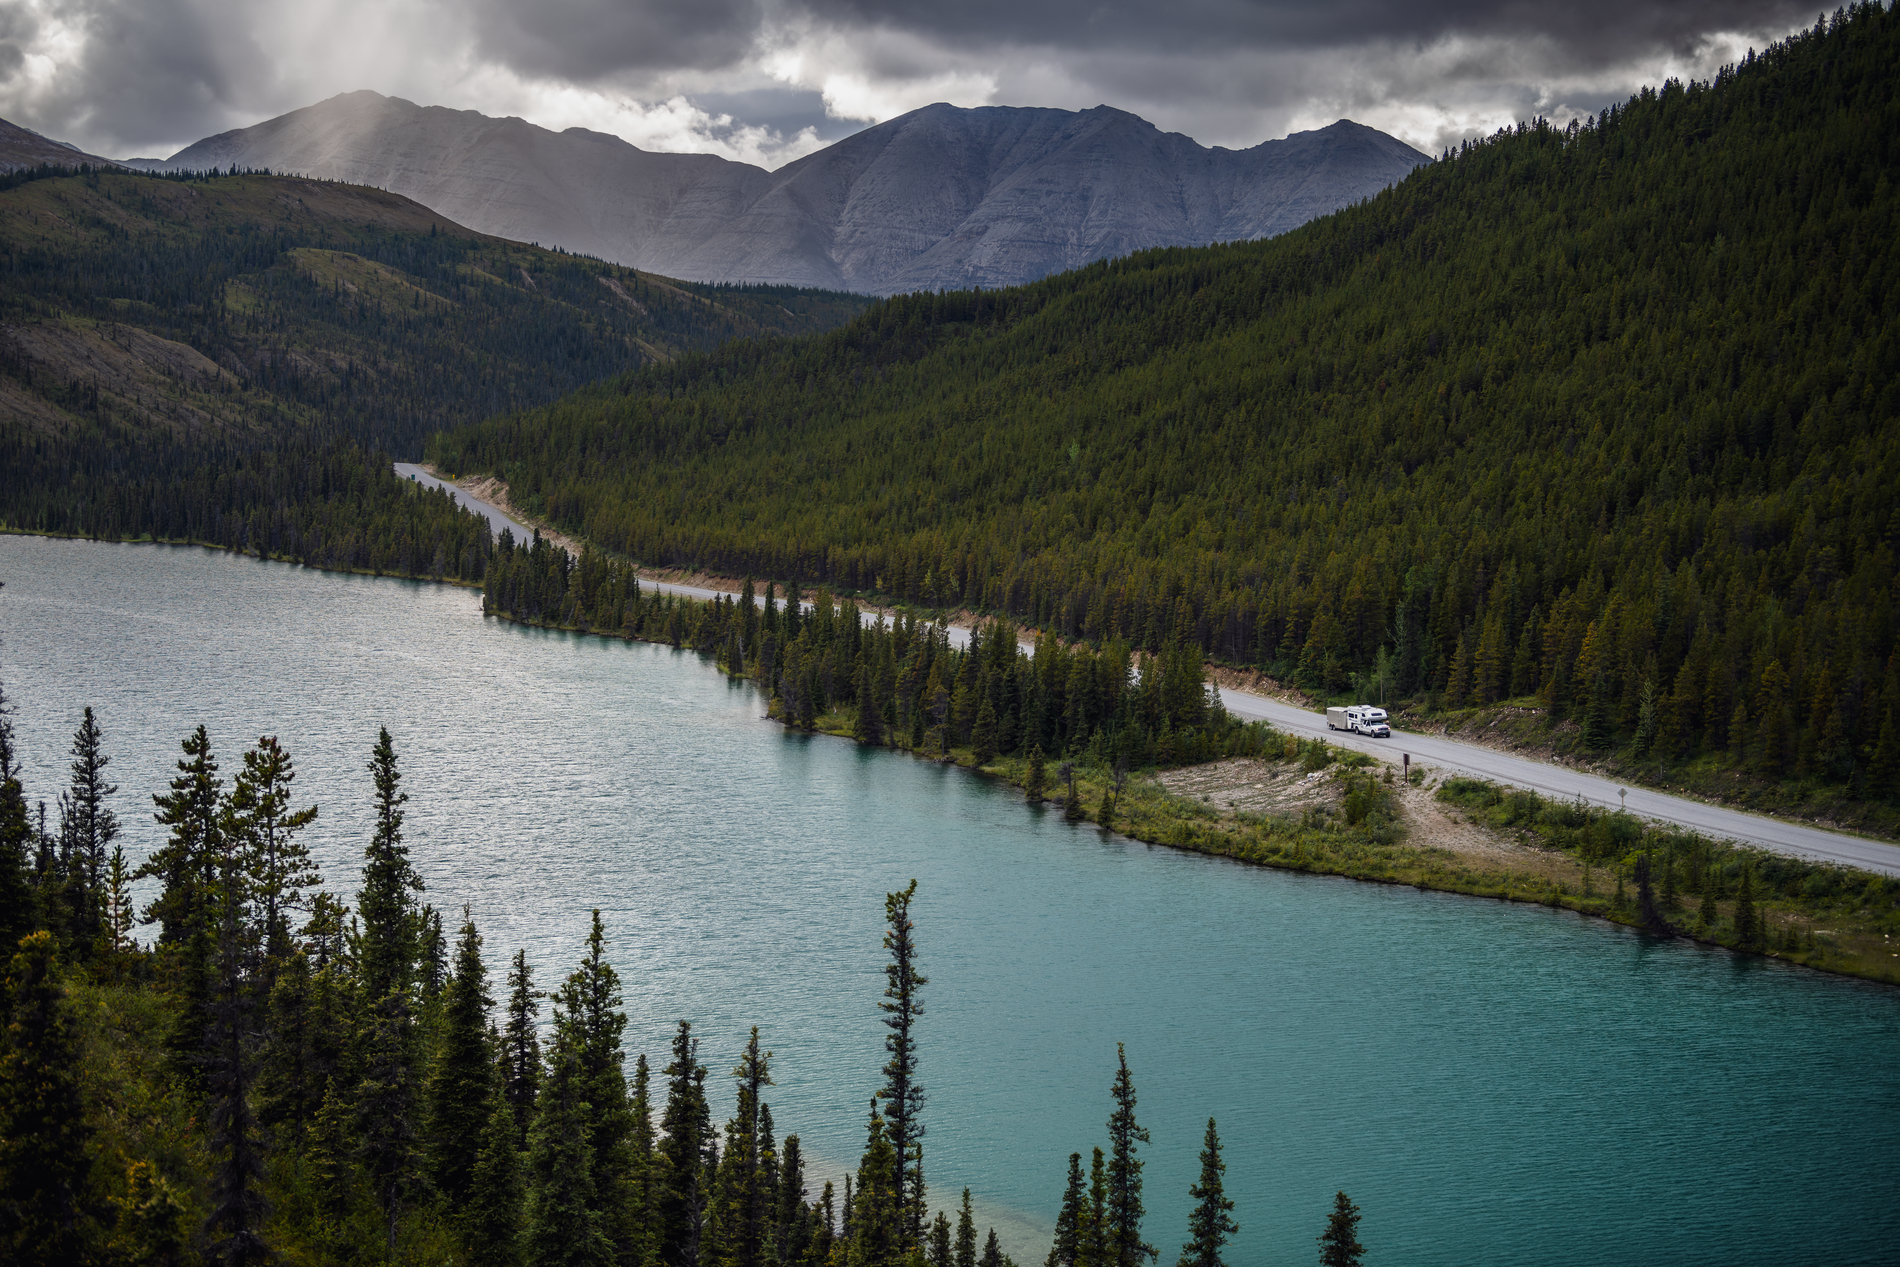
[
  {"x": 179, "y": 356},
  {"x": 1602, "y": 417}
]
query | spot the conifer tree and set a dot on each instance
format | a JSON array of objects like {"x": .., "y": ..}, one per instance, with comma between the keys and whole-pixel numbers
[
  {"x": 1069, "y": 1219},
  {"x": 682, "y": 1155},
  {"x": 1093, "y": 1247},
  {"x": 1339, "y": 1244},
  {"x": 966, "y": 1233},
  {"x": 46, "y": 1142},
  {"x": 289, "y": 1088},
  {"x": 261, "y": 819},
  {"x": 521, "y": 1045},
  {"x": 1211, "y": 1222},
  {"x": 791, "y": 1220},
  {"x": 592, "y": 996},
  {"x": 561, "y": 1226},
  {"x": 19, "y": 906},
  {"x": 993, "y": 1252},
  {"x": 902, "y": 1093},
  {"x": 744, "y": 1199},
  {"x": 1036, "y": 782},
  {"x": 876, "y": 1234},
  {"x": 387, "y": 900},
  {"x": 87, "y": 829},
  {"x": 940, "y": 1253},
  {"x": 388, "y": 1100},
  {"x": 1649, "y": 914},
  {"x": 492, "y": 1215},
  {"x": 462, "y": 1073},
  {"x": 1125, "y": 1208}
]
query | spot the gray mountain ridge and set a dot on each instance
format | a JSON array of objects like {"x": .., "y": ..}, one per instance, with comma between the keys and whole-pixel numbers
[{"x": 941, "y": 198}]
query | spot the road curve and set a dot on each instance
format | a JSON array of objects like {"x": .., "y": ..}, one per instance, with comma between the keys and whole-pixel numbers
[{"x": 1794, "y": 839}]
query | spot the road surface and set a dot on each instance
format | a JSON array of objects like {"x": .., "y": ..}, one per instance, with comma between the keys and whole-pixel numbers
[{"x": 1797, "y": 840}]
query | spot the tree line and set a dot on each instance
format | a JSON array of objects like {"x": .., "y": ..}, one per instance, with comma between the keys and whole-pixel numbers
[
  {"x": 1598, "y": 418},
  {"x": 899, "y": 682},
  {"x": 278, "y": 1075}
]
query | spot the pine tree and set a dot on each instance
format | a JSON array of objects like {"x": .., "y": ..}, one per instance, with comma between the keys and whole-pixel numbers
[
  {"x": 521, "y": 1046},
  {"x": 993, "y": 1252},
  {"x": 1211, "y": 1223},
  {"x": 1037, "y": 780},
  {"x": 387, "y": 902},
  {"x": 591, "y": 995},
  {"x": 742, "y": 1200},
  {"x": 877, "y": 1235},
  {"x": 87, "y": 828},
  {"x": 19, "y": 905},
  {"x": 682, "y": 1154},
  {"x": 561, "y": 1226},
  {"x": 966, "y": 1233},
  {"x": 1648, "y": 913},
  {"x": 1125, "y": 1209},
  {"x": 461, "y": 1074},
  {"x": 902, "y": 1093},
  {"x": 260, "y": 817},
  {"x": 46, "y": 1142},
  {"x": 1092, "y": 1247},
  {"x": 792, "y": 1229},
  {"x": 939, "y": 1252},
  {"x": 1062, "y": 1253},
  {"x": 1339, "y": 1244},
  {"x": 491, "y": 1218},
  {"x": 386, "y": 1105},
  {"x": 183, "y": 863}
]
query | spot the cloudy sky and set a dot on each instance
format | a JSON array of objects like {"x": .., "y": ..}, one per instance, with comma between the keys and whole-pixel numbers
[{"x": 770, "y": 80}]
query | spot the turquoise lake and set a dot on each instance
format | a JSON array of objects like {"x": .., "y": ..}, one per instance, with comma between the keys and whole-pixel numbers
[{"x": 1491, "y": 1083}]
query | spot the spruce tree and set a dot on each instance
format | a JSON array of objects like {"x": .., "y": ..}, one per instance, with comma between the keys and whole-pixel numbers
[
  {"x": 387, "y": 900},
  {"x": 491, "y": 1217},
  {"x": 1093, "y": 1248},
  {"x": 1648, "y": 913},
  {"x": 183, "y": 863},
  {"x": 939, "y": 1252},
  {"x": 743, "y": 1199},
  {"x": 87, "y": 829},
  {"x": 1211, "y": 1223},
  {"x": 993, "y": 1252},
  {"x": 643, "y": 1190},
  {"x": 1036, "y": 782},
  {"x": 966, "y": 1233},
  {"x": 561, "y": 1225},
  {"x": 388, "y": 1100},
  {"x": 289, "y": 1089},
  {"x": 791, "y": 1220},
  {"x": 1069, "y": 1219},
  {"x": 902, "y": 1094},
  {"x": 260, "y": 817},
  {"x": 1125, "y": 1208},
  {"x": 682, "y": 1154},
  {"x": 521, "y": 1045},
  {"x": 461, "y": 1074},
  {"x": 46, "y": 1143},
  {"x": 19, "y": 905},
  {"x": 1339, "y": 1244},
  {"x": 876, "y": 1236},
  {"x": 591, "y": 995}
]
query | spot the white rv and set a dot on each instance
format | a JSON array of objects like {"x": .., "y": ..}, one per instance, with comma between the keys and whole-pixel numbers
[{"x": 1367, "y": 719}]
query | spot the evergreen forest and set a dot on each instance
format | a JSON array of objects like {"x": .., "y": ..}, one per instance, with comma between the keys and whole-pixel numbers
[
  {"x": 272, "y": 1075},
  {"x": 1598, "y": 420}
]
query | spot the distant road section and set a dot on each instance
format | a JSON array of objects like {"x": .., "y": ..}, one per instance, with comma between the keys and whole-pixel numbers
[
  {"x": 1794, "y": 839},
  {"x": 497, "y": 518}
]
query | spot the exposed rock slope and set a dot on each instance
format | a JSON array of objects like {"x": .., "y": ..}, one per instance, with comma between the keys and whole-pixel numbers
[{"x": 940, "y": 197}]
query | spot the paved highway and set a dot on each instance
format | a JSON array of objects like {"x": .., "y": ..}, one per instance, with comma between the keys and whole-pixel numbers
[{"x": 1795, "y": 839}]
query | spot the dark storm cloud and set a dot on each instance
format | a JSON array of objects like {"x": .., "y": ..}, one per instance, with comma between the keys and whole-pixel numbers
[
  {"x": 151, "y": 68},
  {"x": 1588, "y": 35},
  {"x": 585, "y": 39}
]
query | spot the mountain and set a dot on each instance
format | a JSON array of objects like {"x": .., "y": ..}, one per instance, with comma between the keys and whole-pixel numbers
[
  {"x": 1604, "y": 421},
  {"x": 938, "y": 198},
  {"x": 20, "y": 148},
  {"x": 224, "y": 359}
]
